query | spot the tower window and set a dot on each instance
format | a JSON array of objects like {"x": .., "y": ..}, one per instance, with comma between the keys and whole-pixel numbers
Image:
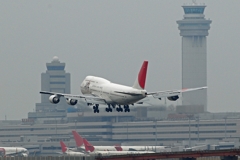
[
  {"x": 194, "y": 10},
  {"x": 55, "y": 67},
  {"x": 57, "y": 82},
  {"x": 57, "y": 76}
]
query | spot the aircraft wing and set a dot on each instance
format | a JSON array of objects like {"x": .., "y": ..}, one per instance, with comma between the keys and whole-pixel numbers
[
  {"x": 88, "y": 99},
  {"x": 169, "y": 93}
]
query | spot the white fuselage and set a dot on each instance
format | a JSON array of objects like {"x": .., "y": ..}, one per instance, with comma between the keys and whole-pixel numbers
[
  {"x": 111, "y": 92},
  {"x": 71, "y": 153},
  {"x": 101, "y": 148},
  {"x": 13, "y": 151},
  {"x": 105, "y": 153},
  {"x": 104, "y": 148},
  {"x": 145, "y": 148}
]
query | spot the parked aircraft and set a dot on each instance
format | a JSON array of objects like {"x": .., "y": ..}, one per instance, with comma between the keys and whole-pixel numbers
[
  {"x": 97, "y": 90},
  {"x": 146, "y": 148},
  {"x": 68, "y": 151},
  {"x": 93, "y": 151},
  {"x": 13, "y": 151},
  {"x": 89, "y": 147}
]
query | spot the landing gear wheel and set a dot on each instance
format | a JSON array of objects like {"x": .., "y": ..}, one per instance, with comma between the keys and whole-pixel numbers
[{"x": 107, "y": 110}]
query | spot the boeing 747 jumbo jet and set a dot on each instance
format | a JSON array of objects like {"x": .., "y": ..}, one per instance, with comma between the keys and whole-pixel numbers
[
  {"x": 94, "y": 151},
  {"x": 96, "y": 90}
]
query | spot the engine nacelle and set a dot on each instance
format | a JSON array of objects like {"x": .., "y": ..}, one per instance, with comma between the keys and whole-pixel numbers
[
  {"x": 24, "y": 154},
  {"x": 54, "y": 99},
  {"x": 173, "y": 98},
  {"x": 71, "y": 101}
]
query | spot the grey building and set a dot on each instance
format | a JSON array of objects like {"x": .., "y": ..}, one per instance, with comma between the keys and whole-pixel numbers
[
  {"x": 55, "y": 79},
  {"x": 194, "y": 29}
]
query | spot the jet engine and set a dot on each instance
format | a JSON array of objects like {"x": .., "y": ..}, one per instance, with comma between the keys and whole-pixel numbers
[
  {"x": 54, "y": 99},
  {"x": 71, "y": 101},
  {"x": 24, "y": 154},
  {"x": 173, "y": 98}
]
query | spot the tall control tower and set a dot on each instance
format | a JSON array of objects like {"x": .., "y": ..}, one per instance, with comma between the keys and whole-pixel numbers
[{"x": 194, "y": 29}]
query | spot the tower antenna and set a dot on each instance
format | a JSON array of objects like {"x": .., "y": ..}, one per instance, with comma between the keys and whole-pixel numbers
[{"x": 194, "y": 2}]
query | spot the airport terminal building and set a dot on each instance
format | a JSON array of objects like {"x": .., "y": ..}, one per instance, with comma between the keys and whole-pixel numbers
[{"x": 42, "y": 135}]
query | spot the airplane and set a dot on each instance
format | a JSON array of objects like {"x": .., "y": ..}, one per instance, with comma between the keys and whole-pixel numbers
[
  {"x": 94, "y": 151},
  {"x": 97, "y": 90},
  {"x": 68, "y": 151},
  {"x": 80, "y": 142},
  {"x": 89, "y": 147},
  {"x": 14, "y": 151},
  {"x": 146, "y": 148}
]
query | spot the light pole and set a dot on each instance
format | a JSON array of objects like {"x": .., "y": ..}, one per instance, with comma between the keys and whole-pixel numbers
[
  {"x": 127, "y": 131},
  {"x": 75, "y": 124},
  {"x": 56, "y": 126},
  {"x": 155, "y": 135},
  {"x": 197, "y": 119},
  {"x": 225, "y": 127},
  {"x": 189, "y": 132}
]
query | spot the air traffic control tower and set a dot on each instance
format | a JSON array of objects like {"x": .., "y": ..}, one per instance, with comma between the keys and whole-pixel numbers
[
  {"x": 194, "y": 31},
  {"x": 55, "y": 79}
]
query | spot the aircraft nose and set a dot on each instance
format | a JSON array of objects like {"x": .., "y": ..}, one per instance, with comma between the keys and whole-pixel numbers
[{"x": 82, "y": 88}]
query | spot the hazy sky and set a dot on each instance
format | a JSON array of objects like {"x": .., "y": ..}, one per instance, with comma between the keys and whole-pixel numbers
[{"x": 111, "y": 39}]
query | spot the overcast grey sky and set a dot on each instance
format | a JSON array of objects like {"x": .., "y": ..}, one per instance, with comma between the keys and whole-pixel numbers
[{"x": 111, "y": 38}]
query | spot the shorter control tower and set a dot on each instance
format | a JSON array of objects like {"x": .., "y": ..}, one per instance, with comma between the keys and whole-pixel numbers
[
  {"x": 194, "y": 29},
  {"x": 55, "y": 79}
]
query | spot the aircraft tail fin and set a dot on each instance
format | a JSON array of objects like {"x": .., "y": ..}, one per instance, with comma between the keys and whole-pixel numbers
[
  {"x": 141, "y": 78},
  {"x": 78, "y": 139},
  {"x": 118, "y": 147},
  {"x": 63, "y": 146},
  {"x": 88, "y": 146}
]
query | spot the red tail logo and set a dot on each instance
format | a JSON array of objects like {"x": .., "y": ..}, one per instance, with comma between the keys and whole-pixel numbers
[
  {"x": 88, "y": 146},
  {"x": 78, "y": 139},
  {"x": 63, "y": 146},
  {"x": 142, "y": 74},
  {"x": 118, "y": 147},
  {"x": 141, "y": 78}
]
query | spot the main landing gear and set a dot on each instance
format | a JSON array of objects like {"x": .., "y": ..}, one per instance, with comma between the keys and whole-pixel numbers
[
  {"x": 95, "y": 108},
  {"x": 109, "y": 109},
  {"x": 120, "y": 109},
  {"x": 126, "y": 108}
]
